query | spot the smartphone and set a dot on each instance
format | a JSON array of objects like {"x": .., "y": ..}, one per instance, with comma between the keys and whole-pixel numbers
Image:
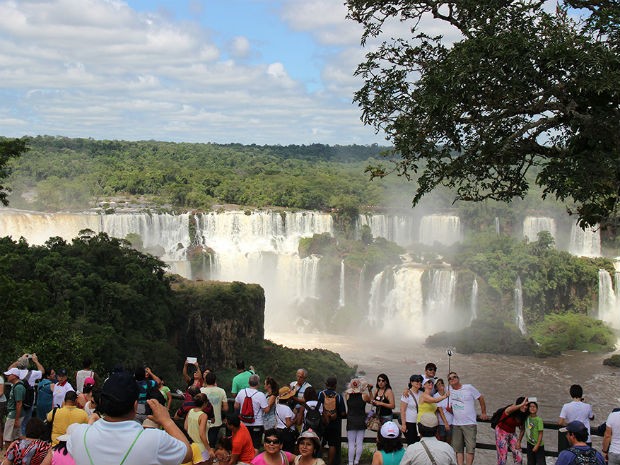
[
  {"x": 532, "y": 399},
  {"x": 192, "y": 360}
]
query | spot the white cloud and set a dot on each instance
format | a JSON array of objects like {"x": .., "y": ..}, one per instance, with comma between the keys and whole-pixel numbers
[{"x": 240, "y": 47}]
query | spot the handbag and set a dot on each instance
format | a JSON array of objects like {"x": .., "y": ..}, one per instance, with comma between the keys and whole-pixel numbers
[{"x": 373, "y": 421}]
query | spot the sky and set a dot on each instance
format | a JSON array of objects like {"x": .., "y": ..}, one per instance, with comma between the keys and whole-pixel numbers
[{"x": 223, "y": 71}]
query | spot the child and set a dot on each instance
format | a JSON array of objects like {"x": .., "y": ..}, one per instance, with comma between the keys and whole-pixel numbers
[{"x": 534, "y": 436}]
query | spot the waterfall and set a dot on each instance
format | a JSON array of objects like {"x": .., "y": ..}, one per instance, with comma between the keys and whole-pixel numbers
[
  {"x": 518, "y": 297},
  {"x": 445, "y": 229},
  {"x": 474, "y": 301},
  {"x": 439, "y": 305},
  {"x": 376, "y": 300},
  {"x": 396, "y": 228},
  {"x": 585, "y": 242},
  {"x": 341, "y": 302},
  {"x": 532, "y": 225},
  {"x": 608, "y": 299},
  {"x": 404, "y": 309},
  {"x": 361, "y": 287},
  {"x": 497, "y": 225}
]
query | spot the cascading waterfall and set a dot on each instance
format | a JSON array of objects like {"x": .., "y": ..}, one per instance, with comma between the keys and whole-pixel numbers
[
  {"x": 497, "y": 225},
  {"x": 395, "y": 228},
  {"x": 341, "y": 301},
  {"x": 608, "y": 299},
  {"x": 439, "y": 305},
  {"x": 518, "y": 298},
  {"x": 474, "y": 301},
  {"x": 532, "y": 225},
  {"x": 585, "y": 242},
  {"x": 445, "y": 229}
]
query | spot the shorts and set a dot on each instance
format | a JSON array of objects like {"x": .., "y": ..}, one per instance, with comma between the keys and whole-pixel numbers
[
  {"x": 332, "y": 433},
  {"x": 10, "y": 432},
  {"x": 443, "y": 434},
  {"x": 411, "y": 435},
  {"x": 256, "y": 432},
  {"x": 464, "y": 438}
]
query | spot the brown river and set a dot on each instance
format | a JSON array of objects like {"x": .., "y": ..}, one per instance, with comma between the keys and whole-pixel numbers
[{"x": 500, "y": 378}]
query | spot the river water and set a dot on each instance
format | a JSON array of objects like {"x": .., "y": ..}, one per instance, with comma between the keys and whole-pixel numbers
[{"x": 500, "y": 378}]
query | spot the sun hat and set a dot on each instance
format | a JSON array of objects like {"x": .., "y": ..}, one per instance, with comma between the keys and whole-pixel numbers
[
  {"x": 429, "y": 420},
  {"x": 309, "y": 434},
  {"x": 285, "y": 392}
]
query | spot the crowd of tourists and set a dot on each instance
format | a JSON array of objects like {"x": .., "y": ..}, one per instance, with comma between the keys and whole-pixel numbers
[{"x": 128, "y": 419}]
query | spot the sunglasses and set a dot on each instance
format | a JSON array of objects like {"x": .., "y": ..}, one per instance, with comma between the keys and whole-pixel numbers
[
  {"x": 453, "y": 377},
  {"x": 272, "y": 441}
]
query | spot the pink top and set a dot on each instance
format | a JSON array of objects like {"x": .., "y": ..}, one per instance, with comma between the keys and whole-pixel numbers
[
  {"x": 59, "y": 458},
  {"x": 260, "y": 458}
]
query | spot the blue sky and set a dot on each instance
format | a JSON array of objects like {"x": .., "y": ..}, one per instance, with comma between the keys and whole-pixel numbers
[{"x": 249, "y": 71}]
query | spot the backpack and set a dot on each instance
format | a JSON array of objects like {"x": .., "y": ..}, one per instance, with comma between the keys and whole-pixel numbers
[
  {"x": 583, "y": 457},
  {"x": 497, "y": 416},
  {"x": 329, "y": 407},
  {"x": 29, "y": 397},
  {"x": 312, "y": 419},
  {"x": 247, "y": 409}
]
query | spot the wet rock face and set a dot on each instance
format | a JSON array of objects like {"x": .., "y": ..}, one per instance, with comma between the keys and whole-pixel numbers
[{"x": 219, "y": 321}]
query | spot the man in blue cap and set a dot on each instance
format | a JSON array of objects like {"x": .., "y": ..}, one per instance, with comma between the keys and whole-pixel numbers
[{"x": 579, "y": 453}]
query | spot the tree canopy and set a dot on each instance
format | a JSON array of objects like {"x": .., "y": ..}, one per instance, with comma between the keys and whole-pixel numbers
[
  {"x": 9, "y": 148},
  {"x": 527, "y": 86}
]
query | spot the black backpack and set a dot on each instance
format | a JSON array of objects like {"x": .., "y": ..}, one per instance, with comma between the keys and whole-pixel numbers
[
  {"x": 313, "y": 419},
  {"x": 497, "y": 416},
  {"x": 29, "y": 398}
]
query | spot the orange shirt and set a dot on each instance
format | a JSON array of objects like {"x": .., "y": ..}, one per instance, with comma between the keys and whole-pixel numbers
[{"x": 242, "y": 444}]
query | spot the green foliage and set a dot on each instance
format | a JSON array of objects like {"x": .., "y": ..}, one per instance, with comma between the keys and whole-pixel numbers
[
  {"x": 9, "y": 149},
  {"x": 484, "y": 336},
  {"x": 571, "y": 331},
  {"x": 524, "y": 89},
  {"x": 613, "y": 361}
]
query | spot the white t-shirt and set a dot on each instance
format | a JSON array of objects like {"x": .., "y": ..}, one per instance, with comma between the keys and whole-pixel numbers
[
  {"x": 577, "y": 410},
  {"x": 59, "y": 393},
  {"x": 444, "y": 404},
  {"x": 411, "y": 414},
  {"x": 463, "y": 403},
  {"x": 108, "y": 442},
  {"x": 613, "y": 421},
  {"x": 34, "y": 376},
  {"x": 81, "y": 376},
  {"x": 282, "y": 413},
  {"x": 2, "y": 397},
  {"x": 259, "y": 402},
  {"x": 441, "y": 451}
]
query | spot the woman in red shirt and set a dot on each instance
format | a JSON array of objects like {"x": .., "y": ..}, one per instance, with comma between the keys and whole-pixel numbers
[{"x": 506, "y": 437}]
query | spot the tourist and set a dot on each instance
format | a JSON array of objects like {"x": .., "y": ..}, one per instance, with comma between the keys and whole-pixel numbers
[
  {"x": 390, "y": 449},
  {"x": 147, "y": 383},
  {"x": 60, "y": 387},
  {"x": 611, "y": 440},
  {"x": 242, "y": 445},
  {"x": 427, "y": 403},
  {"x": 579, "y": 451},
  {"x": 356, "y": 418},
  {"x": 196, "y": 424},
  {"x": 409, "y": 409},
  {"x": 309, "y": 415},
  {"x": 577, "y": 409},
  {"x": 383, "y": 398},
  {"x": 299, "y": 387},
  {"x": 30, "y": 450},
  {"x": 430, "y": 371},
  {"x": 2, "y": 403},
  {"x": 429, "y": 446},
  {"x": 462, "y": 403},
  {"x": 14, "y": 406},
  {"x": 259, "y": 407},
  {"x": 85, "y": 372},
  {"x": 196, "y": 377},
  {"x": 273, "y": 454},
  {"x": 85, "y": 394},
  {"x": 285, "y": 419},
  {"x": 45, "y": 395},
  {"x": 271, "y": 392},
  {"x": 241, "y": 380},
  {"x": 166, "y": 392},
  {"x": 309, "y": 446},
  {"x": 223, "y": 451},
  {"x": 118, "y": 438},
  {"x": 59, "y": 454},
  {"x": 444, "y": 430},
  {"x": 534, "y": 427},
  {"x": 219, "y": 402},
  {"x": 505, "y": 431},
  {"x": 29, "y": 377},
  {"x": 66, "y": 415},
  {"x": 333, "y": 410},
  {"x": 188, "y": 402}
]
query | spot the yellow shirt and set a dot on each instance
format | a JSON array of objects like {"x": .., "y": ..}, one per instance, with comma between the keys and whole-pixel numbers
[{"x": 64, "y": 417}]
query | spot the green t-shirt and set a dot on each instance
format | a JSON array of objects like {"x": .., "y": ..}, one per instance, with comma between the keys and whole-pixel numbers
[
  {"x": 533, "y": 425},
  {"x": 241, "y": 381},
  {"x": 18, "y": 393}
]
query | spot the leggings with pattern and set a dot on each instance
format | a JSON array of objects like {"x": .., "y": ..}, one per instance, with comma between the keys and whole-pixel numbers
[{"x": 507, "y": 441}]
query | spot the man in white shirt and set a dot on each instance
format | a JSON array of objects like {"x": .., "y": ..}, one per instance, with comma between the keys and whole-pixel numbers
[
  {"x": 611, "y": 440},
  {"x": 60, "y": 388},
  {"x": 118, "y": 438},
  {"x": 28, "y": 376},
  {"x": 577, "y": 410},
  {"x": 462, "y": 404},
  {"x": 420, "y": 452},
  {"x": 259, "y": 405}
]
